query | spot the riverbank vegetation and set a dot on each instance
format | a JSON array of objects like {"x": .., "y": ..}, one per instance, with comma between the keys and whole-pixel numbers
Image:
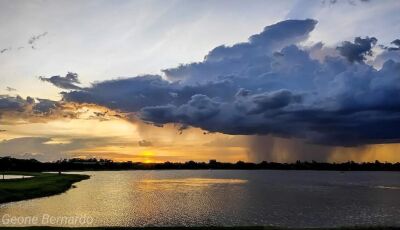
[
  {"x": 76, "y": 164},
  {"x": 39, "y": 185}
]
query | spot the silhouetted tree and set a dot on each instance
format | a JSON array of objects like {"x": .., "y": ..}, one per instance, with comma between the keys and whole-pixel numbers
[{"x": 8, "y": 163}]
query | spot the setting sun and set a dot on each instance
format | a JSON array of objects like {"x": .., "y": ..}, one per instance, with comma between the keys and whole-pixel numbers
[{"x": 147, "y": 156}]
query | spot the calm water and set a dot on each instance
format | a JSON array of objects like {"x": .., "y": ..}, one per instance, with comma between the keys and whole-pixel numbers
[
  {"x": 9, "y": 177},
  {"x": 192, "y": 198}
]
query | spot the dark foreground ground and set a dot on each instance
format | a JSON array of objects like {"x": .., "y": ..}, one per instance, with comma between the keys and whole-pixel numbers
[
  {"x": 40, "y": 185},
  {"x": 193, "y": 228}
]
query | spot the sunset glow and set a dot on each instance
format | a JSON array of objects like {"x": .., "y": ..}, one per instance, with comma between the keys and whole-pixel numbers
[{"x": 282, "y": 85}]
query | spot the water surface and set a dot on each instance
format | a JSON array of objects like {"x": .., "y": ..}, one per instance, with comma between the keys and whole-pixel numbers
[
  {"x": 224, "y": 197},
  {"x": 9, "y": 177}
]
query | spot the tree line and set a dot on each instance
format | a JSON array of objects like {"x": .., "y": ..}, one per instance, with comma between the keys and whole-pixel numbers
[{"x": 13, "y": 164}]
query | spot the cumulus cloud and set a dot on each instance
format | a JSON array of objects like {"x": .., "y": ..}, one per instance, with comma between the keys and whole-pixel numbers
[
  {"x": 70, "y": 81},
  {"x": 269, "y": 85},
  {"x": 9, "y": 103},
  {"x": 243, "y": 57},
  {"x": 396, "y": 43},
  {"x": 16, "y": 108},
  {"x": 357, "y": 51},
  {"x": 388, "y": 53},
  {"x": 125, "y": 94},
  {"x": 198, "y": 109}
]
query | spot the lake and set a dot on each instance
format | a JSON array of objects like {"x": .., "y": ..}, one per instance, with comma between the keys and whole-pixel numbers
[
  {"x": 225, "y": 197},
  {"x": 12, "y": 177}
]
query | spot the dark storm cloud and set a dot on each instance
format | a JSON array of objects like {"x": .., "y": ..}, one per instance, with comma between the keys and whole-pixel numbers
[
  {"x": 70, "y": 81},
  {"x": 260, "y": 103},
  {"x": 9, "y": 103},
  {"x": 197, "y": 110},
  {"x": 269, "y": 85},
  {"x": 357, "y": 51},
  {"x": 19, "y": 104},
  {"x": 224, "y": 60},
  {"x": 126, "y": 94},
  {"x": 133, "y": 94},
  {"x": 14, "y": 109},
  {"x": 396, "y": 43}
]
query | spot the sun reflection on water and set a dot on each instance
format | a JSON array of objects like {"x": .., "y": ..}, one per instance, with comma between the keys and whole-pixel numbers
[
  {"x": 204, "y": 181},
  {"x": 192, "y": 182}
]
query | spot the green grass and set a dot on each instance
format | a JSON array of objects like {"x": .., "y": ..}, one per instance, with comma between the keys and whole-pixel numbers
[{"x": 40, "y": 185}]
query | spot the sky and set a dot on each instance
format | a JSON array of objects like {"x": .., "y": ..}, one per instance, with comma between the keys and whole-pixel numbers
[{"x": 181, "y": 80}]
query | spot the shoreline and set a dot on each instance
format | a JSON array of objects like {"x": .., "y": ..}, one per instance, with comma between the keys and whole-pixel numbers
[
  {"x": 37, "y": 186},
  {"x": 222, "y": 169},
  {"x": 93, "y": 164}
]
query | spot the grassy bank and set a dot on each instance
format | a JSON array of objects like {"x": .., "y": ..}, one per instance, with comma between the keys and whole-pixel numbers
[{"x": 40, "y": 185}]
